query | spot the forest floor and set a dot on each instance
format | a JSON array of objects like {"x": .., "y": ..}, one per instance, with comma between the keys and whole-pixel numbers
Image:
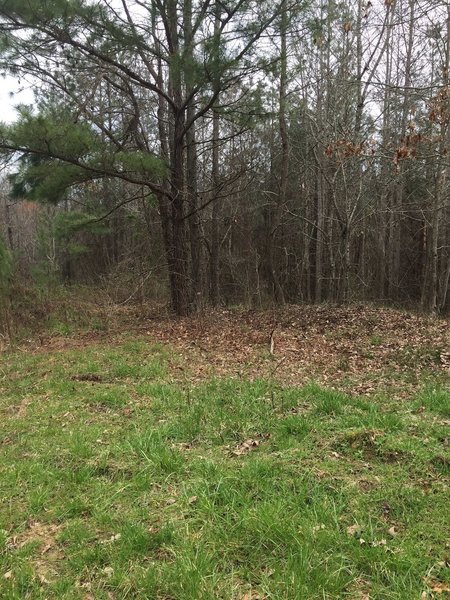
[{"x": 180, "y": 459}]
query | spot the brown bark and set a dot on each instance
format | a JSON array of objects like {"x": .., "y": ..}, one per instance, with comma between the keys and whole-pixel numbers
[
  {"x": 179, "y": 255},
  {"x": 280, "y": 197},
  {"x": 432, "y": 295},
  {"x": 215, "y": 176},
  {"x": 195, "y": 233}
]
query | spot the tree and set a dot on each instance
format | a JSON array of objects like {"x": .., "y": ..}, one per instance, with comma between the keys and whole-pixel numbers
[
  {"x": 276, "y": 151},
  {"x": 165, "y": 57}
]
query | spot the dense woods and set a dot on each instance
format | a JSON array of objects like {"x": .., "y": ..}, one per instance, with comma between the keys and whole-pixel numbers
[{"x": 218, "y": 152}]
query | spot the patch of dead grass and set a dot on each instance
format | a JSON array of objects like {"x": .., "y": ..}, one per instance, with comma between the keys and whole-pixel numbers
[{"x": 50, "y": 553}]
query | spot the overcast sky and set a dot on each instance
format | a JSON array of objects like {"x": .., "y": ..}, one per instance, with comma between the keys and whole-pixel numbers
[{"x": 9, "y": 85}]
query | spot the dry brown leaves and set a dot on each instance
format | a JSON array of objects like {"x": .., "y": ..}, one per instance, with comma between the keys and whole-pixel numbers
[
  {"x": 359, "y": 590},
  {"x": 438, "y": 587},
  {"x": 371, "y": 346},
  {"x": 248, "y": 445},
  {"x": 253, "y": 596},
  {"x": 321, "y": 342}
]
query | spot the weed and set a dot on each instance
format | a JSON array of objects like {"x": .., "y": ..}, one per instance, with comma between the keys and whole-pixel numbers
[{"x": 376, "y": 340}]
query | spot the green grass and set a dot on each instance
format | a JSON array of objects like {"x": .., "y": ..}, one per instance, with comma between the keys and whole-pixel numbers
[{"x": 117, "y": 482}]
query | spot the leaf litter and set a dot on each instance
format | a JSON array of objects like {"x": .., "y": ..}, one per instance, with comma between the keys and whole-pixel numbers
[{"x": 360, "y": 348}]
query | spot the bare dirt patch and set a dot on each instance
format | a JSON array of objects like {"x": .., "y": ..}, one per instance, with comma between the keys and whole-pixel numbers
[{"x": 44, "y": 535}]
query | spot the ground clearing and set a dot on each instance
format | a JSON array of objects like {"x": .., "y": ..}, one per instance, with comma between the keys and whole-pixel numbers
[{"x": 181, "y": 460}]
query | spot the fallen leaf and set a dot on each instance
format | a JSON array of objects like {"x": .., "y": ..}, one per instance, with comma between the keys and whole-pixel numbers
[
  {"x": 379, "y": 543},
  {"x": 46, "y": 548},
  {"x": 246, "y": 447},
  {"x": 86, "y": 585},
  {"x": 392, "y": 531},
  {"x": 108, "y": 571},
  {"x": 7, "y": 575},
  {"x": 354, "y": 530},
  {"x": 249, "y": 444},
  {"x": 192, "y": 499},
  {"x": 438, "y": 587},
  {"x": 112, "y": 539},
  {"x": 170, "y": 501}
]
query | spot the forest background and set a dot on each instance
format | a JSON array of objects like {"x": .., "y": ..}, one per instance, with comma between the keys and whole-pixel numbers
[{"x": 203, "y": 153}]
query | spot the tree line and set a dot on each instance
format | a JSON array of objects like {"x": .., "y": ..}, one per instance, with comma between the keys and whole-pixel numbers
[{"x": 238, "y": 150}]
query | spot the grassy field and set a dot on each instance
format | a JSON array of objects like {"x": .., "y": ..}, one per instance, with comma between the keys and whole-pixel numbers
[{"x": 122, "y": 476}]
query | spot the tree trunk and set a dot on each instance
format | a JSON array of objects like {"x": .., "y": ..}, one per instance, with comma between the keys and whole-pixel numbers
[
  {"x": 179, "y": 255},
  {"x": 215, "y": 175},
  {"x": 431, "y": 293},
  {"x": 195, "y": 234},
  {"x": 277, "y": 212}
]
